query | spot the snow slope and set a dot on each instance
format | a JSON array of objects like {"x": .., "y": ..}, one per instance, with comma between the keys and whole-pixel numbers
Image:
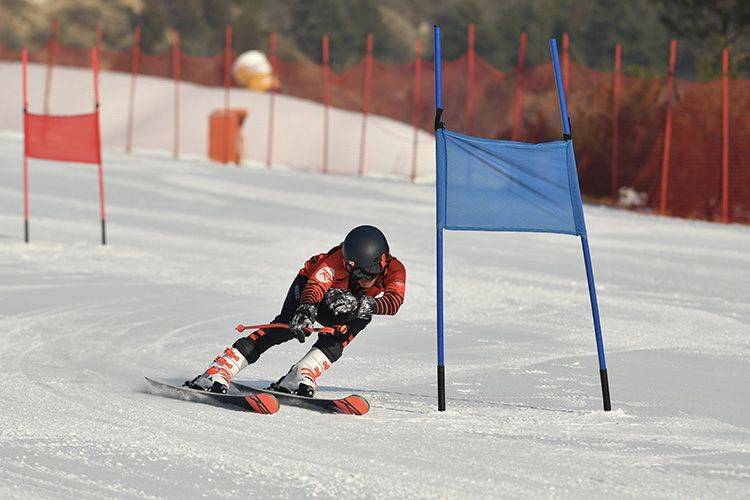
[{"x": 196, "y": 248}]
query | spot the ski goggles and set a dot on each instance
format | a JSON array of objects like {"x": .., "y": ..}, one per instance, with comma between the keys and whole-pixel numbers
[{"x": 363, "y": 273}]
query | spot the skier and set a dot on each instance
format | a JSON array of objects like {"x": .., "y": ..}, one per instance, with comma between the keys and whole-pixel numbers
[{"x": 344, "y": 286}]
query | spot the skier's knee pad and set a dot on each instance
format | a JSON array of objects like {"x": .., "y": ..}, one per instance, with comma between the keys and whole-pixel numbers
[{"x": 247, "y": 348}]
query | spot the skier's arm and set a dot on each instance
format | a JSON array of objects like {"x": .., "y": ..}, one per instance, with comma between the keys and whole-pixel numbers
[
  {"x": 395, "y": 289},
  {"x": 318, "y": 284}
]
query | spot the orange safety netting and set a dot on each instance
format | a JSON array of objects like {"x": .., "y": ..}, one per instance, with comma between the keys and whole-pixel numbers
[
  {"x": 482, "y": 103},
  {"x": 739, "y": 145}
]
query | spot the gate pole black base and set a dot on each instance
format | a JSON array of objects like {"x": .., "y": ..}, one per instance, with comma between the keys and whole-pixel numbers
[
  {"x": 605, "y": 390},
  {"x": 441, "y": 387},
  {"x": 26, "y": 230},
  {"x": 104, "y": 233}
]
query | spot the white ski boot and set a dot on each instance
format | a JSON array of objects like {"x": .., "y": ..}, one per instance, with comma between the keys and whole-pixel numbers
[
  {"x": 218, "y": 376},
  {"x": 301, "y": 379}
]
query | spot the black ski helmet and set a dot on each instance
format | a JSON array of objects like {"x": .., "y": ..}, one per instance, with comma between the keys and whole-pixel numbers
[{"x": 365, "y": 250}]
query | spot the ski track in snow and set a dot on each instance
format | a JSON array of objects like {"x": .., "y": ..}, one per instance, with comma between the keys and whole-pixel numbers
[{"x": 196, "y": 248}]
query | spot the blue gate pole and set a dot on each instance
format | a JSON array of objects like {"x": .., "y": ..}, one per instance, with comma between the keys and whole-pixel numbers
[
  {"x": 597, "y": 324},
  {"x": 439, "y": 220},
  {"x": 584, "y": 238},
  {"x": 560, "y": 89}
]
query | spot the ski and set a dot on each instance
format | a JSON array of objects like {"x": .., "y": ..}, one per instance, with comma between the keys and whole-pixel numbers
[
  {"x": 349, "y": 405},
  {"x": 249, "y": 399}
]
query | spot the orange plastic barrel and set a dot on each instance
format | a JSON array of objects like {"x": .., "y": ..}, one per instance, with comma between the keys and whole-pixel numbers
[{"x": 225, "y": 135}]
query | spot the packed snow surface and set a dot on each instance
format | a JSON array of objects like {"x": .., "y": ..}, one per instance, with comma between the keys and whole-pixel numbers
[{"x": 196, "y": 248}]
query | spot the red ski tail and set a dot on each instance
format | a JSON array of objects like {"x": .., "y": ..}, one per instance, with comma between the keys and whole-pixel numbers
[
  {"x": 263, "y": 403},
  {"x": 352, "y": 405}
]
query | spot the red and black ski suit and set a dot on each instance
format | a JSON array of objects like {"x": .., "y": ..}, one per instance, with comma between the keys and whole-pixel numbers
[{"x": 321, "y": 272}]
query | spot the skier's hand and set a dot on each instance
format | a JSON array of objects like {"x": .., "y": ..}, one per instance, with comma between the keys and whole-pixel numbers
[
  {"x": 341, "y": 301},
  {"x": 366, "y": 307},
  {"x": 303, "y": 320}
]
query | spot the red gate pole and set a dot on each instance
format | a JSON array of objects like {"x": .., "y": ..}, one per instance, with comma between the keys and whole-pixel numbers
[
  {"x": 668, "y": 129},
  {"x": 326, "y": 71},
  {"x": 51, "y": 56},
  {"x": 176, "y": 78},
  {"x": 518, "y": 93},
  {"x": 102, "y": 213},
  {"x": 725, "y": 136},
  {"x": 24, "y": 63},
  {"x": 416, "y": 105},
  {"x": 616, "y": 118},
  {"x": 470, "y": 81},
  {"x": 135, "y": 55},
  {"x": 366, "y": 84},
  {"x": 566, "y": 63},
  {"x": 227, "y": 84},
  {"x": 272, "y": 100}
]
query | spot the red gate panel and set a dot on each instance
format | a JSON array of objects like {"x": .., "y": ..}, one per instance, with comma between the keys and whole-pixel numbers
[{"x": 73, "y": 138}]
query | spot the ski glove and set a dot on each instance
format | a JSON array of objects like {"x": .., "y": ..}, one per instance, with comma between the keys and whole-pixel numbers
[
  {"x": 303, "y": 320},
  {"x": 367, "y": 308},
  {"x": 341, "y": 301}
]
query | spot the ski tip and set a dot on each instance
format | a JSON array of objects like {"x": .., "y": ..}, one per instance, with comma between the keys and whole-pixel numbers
[
  {"x": 263, "y": 403},
  {"x": 352, "y": 405},
  {"x": 152, "y": 382}
]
